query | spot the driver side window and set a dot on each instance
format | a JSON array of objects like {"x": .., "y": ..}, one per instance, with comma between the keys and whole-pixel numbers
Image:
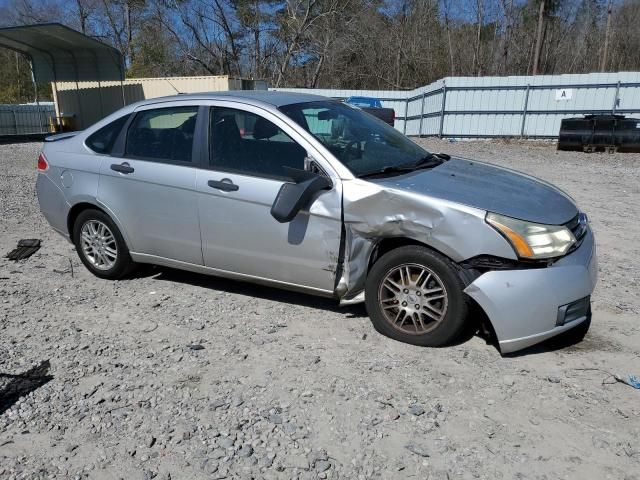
[{"x": 245, "y": 143}]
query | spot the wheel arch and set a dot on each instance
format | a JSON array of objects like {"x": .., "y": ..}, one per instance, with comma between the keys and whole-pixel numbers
[
  {"x": 387, "y": 244},
  {"x": 83, "y": 205},
  {"x": 76, "y": 210},
  {"x": 479, "y": 317}
]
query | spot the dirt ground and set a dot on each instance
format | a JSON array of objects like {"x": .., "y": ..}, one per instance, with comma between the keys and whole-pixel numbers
[{"x": 183, "y": 376}]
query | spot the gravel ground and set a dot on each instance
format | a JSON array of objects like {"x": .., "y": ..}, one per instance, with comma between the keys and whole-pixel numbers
[{"x": 182, "y": 376}]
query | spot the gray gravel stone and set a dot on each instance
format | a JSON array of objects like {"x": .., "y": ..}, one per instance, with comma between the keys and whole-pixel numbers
[
  {"x": 417, "y": 449},
  {"x": 416, "y": 409},
  {"x": 122, "y": 372},
  {"x": 245, "y": 451},
  {"x": 322, "y": 466}
]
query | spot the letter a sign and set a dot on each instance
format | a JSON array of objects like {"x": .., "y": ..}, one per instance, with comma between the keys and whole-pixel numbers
[{"x": 564, "y": 94}]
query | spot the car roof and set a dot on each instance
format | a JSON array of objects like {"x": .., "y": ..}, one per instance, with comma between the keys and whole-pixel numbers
[{"x": 256, "y": 97}]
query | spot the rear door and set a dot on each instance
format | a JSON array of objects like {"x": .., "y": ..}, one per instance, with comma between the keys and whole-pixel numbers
[
  {"x": 245, "y": 168},
  {"x": 148, "y": 183}
]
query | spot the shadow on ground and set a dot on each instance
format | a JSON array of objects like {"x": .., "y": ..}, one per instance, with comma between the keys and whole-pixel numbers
[
  {"x": 572, "y": 341},
  {"x": 254, "y": 290},
  {"x": 285, "y": 296},
  {"x": 23, "y": 384},
  {"x": 478, "y": 326}
]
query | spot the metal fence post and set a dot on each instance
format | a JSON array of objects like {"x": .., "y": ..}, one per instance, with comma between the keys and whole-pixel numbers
[
  {"x": 15, "y": 119},
  {"x": 406, "y": 114},
  {"x": 615, "y": 99},
  {"x": 444, "y": 101},
  {"x": 524, "y": 111},
  {"x": 424, "y": 96}
]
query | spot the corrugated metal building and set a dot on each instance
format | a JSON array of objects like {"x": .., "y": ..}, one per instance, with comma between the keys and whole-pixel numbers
[
  {"x": 89, "y": 102},
  {"x": 517, "y": 106}
]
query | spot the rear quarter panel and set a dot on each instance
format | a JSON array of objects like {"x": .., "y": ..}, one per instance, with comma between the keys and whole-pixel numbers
[{"x": 72, "y": 178}]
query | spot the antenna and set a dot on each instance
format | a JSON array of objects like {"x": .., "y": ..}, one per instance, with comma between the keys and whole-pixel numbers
[{"x": 174, "y": 87}]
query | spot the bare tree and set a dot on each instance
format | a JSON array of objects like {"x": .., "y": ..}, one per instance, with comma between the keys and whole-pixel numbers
[
  {"x": 448, "y": 30},
  {"x": 378, "y": 44},
  {"x": 478, "y": 46},
  {"x": 607, "y": 33},
  {"x": 539, "y": 30},
  {"x": 298, "y": 18}
]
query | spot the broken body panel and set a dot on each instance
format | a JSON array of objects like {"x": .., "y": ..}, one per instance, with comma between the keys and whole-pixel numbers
[{"x": 400, "y": 208}]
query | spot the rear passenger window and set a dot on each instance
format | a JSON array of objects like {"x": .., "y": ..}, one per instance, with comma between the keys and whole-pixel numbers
[
  {"x": 247, "y": 143},
  {"x": 164, "y": 134},
  {"x": 102, "y": 140}
]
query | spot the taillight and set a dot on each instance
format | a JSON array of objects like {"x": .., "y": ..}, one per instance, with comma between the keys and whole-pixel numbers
[{"x": 43, "y": 165}]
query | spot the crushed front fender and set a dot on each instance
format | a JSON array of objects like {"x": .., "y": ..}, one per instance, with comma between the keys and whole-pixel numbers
[
  {"x": 376, "y": 211},
  {"x": 522, "y": 305}
]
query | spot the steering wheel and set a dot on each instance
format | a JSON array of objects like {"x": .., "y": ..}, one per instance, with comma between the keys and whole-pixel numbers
[{"x": 350, "y": 151}]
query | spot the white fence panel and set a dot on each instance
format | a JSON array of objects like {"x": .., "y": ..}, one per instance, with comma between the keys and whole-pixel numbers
[{"x": 517, "y": 106}]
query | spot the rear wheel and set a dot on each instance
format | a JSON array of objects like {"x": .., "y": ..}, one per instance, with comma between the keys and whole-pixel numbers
[
  {"x": 100, "y": 245},
  {"x": 415, "y": 295}
]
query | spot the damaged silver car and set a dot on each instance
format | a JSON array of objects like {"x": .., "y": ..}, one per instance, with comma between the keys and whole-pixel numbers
[{"x": 306, "y": 193}]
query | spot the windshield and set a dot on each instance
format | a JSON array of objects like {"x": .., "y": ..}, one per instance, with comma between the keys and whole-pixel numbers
[{"x": 363, "y": 143}]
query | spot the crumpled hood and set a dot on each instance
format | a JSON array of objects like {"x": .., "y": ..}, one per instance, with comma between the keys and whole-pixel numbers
[{"x": 490, "y": 188}]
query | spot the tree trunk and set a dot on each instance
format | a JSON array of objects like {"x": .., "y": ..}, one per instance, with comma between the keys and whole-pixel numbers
[
  {"x": 18, "y": 82},
  {"x": 116, "y": 32},
  {"x": 508, "y": 9},
  {"x": 316, "y": 73},
  {"x": 129, "y": 32},
  {"x": 82, "y": 14},
  {"x": 607, "y": 33},
  {"x": 446, "y": 26},
  {"x": 476, "y": 55},
  {"x": 536, "y": 57},
  {"x": 285, "y": 62},
  {"x": 320, "y": 64},
  {"x": 256, "y": 42}
]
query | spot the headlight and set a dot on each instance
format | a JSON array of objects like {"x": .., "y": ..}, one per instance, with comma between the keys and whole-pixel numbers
[{"x": 533, "y": 240}]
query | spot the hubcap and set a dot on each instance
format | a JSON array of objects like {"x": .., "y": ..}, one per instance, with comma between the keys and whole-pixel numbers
[
  {"x": 413, "y": 299},
  {"x": 98, "y": 245}
]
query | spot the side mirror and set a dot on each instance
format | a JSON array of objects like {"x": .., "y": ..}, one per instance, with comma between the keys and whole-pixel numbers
[{"x": 296, "y": 195}]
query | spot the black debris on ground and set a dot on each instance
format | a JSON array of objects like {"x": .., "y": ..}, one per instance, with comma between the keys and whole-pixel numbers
[{"x": 25, "y": 249}]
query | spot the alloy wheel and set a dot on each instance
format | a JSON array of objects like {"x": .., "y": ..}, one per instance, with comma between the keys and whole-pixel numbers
[
  {"x": 98, "y": 245},
  {"x": 413, "y": 299}
]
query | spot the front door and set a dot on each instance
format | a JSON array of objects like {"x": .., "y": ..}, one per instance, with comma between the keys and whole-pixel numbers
[
  {"x": 249, "y": 151},
  {"x": 149, "y": 186}
]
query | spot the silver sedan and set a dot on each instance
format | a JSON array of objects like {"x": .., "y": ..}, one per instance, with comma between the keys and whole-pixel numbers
[{"x": 307, "y": 193}]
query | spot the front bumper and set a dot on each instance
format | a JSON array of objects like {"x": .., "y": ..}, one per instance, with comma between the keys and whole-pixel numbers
[{"x": 523, "y": 305}]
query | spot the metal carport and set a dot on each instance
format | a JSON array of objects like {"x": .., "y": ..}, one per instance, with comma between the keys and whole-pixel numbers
[{"x": 61, "y": 54}]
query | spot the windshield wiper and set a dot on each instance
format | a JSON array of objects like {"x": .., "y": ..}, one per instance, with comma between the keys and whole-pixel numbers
[
  {"x": 428, "y": 161},
  {"x": 387, "y": 170}
]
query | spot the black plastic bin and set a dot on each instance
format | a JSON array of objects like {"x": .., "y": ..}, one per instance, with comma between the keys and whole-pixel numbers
[{"x": 600, "y": 133}]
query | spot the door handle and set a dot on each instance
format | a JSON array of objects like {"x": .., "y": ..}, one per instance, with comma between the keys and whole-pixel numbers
[
  {"x": 123, "y": 167},
  {"x": 226, "y": 185}
]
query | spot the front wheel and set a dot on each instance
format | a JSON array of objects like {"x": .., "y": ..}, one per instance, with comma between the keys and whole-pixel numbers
[
  {"x": 415, "y": 295},
  {"x": 100, "y": 245}
]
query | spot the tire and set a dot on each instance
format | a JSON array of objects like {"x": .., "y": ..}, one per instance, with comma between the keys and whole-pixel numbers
[
  {"x": 423, "y": 272},
  {"x": 93, "y": 232}
]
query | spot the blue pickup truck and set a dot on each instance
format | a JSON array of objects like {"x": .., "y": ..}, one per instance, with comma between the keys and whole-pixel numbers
[{"x": 374, "y": 107}]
